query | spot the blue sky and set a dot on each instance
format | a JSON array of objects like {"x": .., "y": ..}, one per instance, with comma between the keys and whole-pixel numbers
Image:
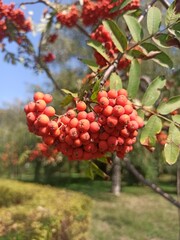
[{"x": 15, "y": 80}]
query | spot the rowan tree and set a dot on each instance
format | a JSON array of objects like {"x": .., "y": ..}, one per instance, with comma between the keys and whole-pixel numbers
[{"x": 110, "y": 112}]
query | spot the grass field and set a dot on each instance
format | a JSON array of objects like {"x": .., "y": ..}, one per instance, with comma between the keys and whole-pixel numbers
[{"x": 137, "y": 214}]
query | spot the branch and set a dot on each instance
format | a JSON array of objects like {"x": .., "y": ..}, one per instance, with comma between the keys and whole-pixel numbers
[
  {"x": 165, "y": 3},
  {"x": 153, "y": 186}
]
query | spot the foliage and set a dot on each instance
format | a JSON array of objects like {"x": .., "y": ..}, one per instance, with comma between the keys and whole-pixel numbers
[{"x": 38, "y": 212}]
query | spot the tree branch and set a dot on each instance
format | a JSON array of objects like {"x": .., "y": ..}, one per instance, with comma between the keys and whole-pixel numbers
[{"x": 153, "y": 186}]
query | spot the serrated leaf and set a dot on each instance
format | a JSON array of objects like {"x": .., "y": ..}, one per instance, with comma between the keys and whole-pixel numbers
[
  {"x": 66, "y": 100},
  {"x": 115, "y": 81},
  {"x": 118, "y": 37},
  {"x": 154, "y": 17},
  {"x": 148, "y": 134},
  {"x": 69, "y": 92},
  {"x": 171, "y": 15},
  {"x": 172, "y": 147},
  {"x": 99, "y": 48},
  {"x": 153, "y": 91},
  {"x": 134, "y": 78},
  {"x": 91, "y": 64},
  {"x": 176, "y": 118},
  {"x": 134, "y": 28},
  {"x": 161, "y": 58},
  {"x": 168, "y": 107},
  {"x": 95, "y": 90}
]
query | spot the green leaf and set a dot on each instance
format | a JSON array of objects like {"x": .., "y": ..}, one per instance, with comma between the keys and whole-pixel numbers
[
  {"x": 153, "y": 91},
  {"x": 176, "y": 118},
  {"x": 171, "y": 15},
  {"x": 166, "y": 40},
  {"x": 121, "y": 6},
  {"x": 69, "y": 92},
  {"x": 66, "y": 100},
  {"x": 95, "y": 90},
  {"x": 172, "y": 147},
  {"x": 97, "y": 171},
  {"x": 118, "y": 38},
  {"x": 153, "y": 20},
  {"x": 171, "y": 153},
  {"x": 134, "y": 78},
  {"x": 148, "y": 134},
  {"x": 115, "y": 81},
  {"x": 134, "y": 28},
  {"x": 162, "y": 58},
  {"x": 103, "y": 160},
  {"x": 91, "y": 64},
  {"x": 99, "y": 48},
  {"x": 168, "y": 107},
  {"x": 175, "y": 30}
]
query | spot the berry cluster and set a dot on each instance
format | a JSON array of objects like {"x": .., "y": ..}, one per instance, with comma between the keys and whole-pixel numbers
[
  {"x": 103, "y": 36},
  {"x": 110, "y": 126},
  {"x": 93, "y": 11},
  {"x": 68, "y": 17},
  {"x": 12, "y": 23}
]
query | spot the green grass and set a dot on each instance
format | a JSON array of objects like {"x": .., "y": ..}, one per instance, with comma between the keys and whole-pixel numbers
[{"x": 137, "y": 214}]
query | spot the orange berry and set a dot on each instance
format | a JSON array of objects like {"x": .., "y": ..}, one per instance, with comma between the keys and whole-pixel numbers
[
  {"x": 121, "y": 100},
  {"x": 112, "y": 93},
  {"x": 83, "y": 125},
  {"x": 38, "y": 96},
  {"x": 49, "y": 140},
  {"x": 40, "y": 105},
  {"x": 81, "y": 106},
  {"x": 82, "y": 115},
  {"x": 101, "y": 94},
  {"x": 73, "y": 123},
  {"x": 94, "y": 127},
  {"x": 47, "y": 98},
  {"x": 42, "y": 120},
  {"x": 122, "y": 92},
  {"x": 49, "y": 111},
  {"x": 104, "y": 102},
  {"x": 31, "y": 107}
]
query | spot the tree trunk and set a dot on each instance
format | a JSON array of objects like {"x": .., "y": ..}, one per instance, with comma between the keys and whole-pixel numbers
[{"x": 116, "y": 176}]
